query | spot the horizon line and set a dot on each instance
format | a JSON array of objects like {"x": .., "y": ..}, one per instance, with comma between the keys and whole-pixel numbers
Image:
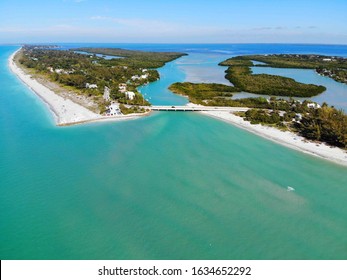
[{"x": 185, "y": 43}]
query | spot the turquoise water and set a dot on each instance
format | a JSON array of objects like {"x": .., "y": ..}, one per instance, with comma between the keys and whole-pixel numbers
[
  {"x": 108, "y": 57},
  {"x": 158, "y": 93},
  {"x": 167, "y": 186},
  {"x": 203, "y": 68}
]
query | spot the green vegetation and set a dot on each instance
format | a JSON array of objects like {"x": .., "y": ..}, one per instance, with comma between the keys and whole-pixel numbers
[
  {"x": 220, "y": 95},
  {"x": 216, "y": 95},
  {"x": 331, "y": 66},
  {"x": 136, "y": 59},
  {"x": 240, "y": 74},
  {"x": 325, "y": 124},
  {"x": 302, "y": 61},
  {"x": 200, "y": 93},
  {"x": 126, "y": 110},
  {"x": 256, "y": 116},
  {"x": 91, "y": 76}
]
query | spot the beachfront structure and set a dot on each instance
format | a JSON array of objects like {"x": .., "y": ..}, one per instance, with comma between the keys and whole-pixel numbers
[
  {"x": 122, "y": 88},
  {"x": 129, "y": 95},
  {"x": 92, "y": 86},
  {"x": 113, "y": 110}
]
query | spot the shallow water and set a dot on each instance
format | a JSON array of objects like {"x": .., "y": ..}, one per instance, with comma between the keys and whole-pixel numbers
[{"x": 168, "y": 186}]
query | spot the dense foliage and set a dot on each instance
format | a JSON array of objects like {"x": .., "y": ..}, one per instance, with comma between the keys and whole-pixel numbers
[
  {"x": 240, "y": 74},
  {"x": 325, "y": 124},
  {"x": 303, "y": 61},
  {"x": 137, "y": 59},
  {"x": 126, "y": 110},
  {"x": 199, "y": 92},
  {"x": 78, "y": 71},
  {"x": 256, "y": 116},
  {"x": 331, "y": 66}
]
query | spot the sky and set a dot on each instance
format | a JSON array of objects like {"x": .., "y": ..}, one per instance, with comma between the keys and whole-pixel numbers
[{"x": 173, "y": 21}]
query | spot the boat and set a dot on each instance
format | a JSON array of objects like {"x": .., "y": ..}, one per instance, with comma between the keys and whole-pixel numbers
[{"x": 290, "y": 189}]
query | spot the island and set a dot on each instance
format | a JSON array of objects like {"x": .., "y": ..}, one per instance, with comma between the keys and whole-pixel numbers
[
  {"x": 304, "y": 125},
  {"x": 88, "y": 84},
  {"x": 81, "y": 87},
  {"x": 331, "y": 66}
]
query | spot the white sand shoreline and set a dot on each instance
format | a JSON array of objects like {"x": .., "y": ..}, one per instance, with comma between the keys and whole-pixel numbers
[
  {"x": 65, "y": 111},
  {"x": 285, "y": 138}
]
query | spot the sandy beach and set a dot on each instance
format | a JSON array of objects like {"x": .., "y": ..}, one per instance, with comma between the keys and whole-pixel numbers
[
  {"x": 64, "y": 110},
  {"x": 285, "y": 138}
]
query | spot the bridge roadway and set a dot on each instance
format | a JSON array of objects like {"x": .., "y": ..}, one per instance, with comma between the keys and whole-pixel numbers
[{"x": 195, "y": 108}]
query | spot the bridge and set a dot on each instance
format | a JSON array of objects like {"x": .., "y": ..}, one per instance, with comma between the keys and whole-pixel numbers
[{"x": 186, "y": 108}]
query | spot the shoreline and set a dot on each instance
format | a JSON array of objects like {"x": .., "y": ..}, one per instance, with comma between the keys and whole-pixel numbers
[
  {"x": 65, "y": 112},
  {"x": 284, "y": 138}
]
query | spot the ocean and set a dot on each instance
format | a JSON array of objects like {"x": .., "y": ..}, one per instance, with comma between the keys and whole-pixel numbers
[{"x": 173, "y": 185}]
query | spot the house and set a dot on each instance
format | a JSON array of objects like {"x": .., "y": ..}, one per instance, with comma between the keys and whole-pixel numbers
[
  {"x": 122, "y": 88},
  {"x": 313, "y": 105},
  {"x": 145, "y": 76},
  {"x": 106, "y": 94},
  {"x": 92, "y": 86},
  {"x": 129, "y": 95},
  {"x": 136, "y": 77},
  {"x": 298, "y": 117},
  {"x": 113, "y": 110},
  {"x": 327, "y": 59},
  {"x": 59, "y": 71}
]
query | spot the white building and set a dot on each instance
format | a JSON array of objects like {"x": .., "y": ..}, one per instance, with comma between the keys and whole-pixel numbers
[
  {"x": 107, "y": 94},
  {"x": 313, "y": 105},
  {"x": 130, "y": 95},
  {"x": 113, "y": 110},
  {"x": 298, "y": 117},
  {"x": 136, "y": 77},
  {"x": 88, "y": 85},
  {"x": 59, "y": 71}
]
